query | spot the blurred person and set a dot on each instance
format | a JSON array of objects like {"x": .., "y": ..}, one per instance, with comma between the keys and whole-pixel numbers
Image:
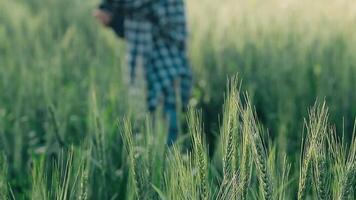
[{"x": 155, "y": 34}]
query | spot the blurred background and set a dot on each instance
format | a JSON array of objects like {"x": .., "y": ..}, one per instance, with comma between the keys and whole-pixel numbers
[{"x": 60, "y": 72}]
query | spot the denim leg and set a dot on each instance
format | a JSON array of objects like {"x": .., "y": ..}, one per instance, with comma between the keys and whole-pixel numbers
[
  {"x": 172, "y": 119},
  {"x": 185, "y": 89}
]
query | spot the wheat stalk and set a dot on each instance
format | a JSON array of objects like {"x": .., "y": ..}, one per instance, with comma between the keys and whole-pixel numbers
[
  {"x": 246, "y": 161},
  {"x": 348, "y": 179},
  {"x": 3, "y": 177},
  {"x": 229, "y": 137},
  {"x": 83, "y": 184},
  {"x": 260, "y": 155},
  {"x": 129, "y": 146},
  {"x": 303, "y": 176},
  {"x": 320, "y": 173},
  {"x": 261, "y": 165},
  {"x": 200, "y": 155},
  {"x": 316, "y": 132},
  {"x": 229, "y": 129}
]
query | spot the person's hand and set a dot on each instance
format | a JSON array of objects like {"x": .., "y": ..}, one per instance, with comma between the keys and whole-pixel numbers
[{"x": 103, "y": 17}]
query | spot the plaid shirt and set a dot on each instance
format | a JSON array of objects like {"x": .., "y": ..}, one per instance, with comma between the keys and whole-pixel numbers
[{"x": 155, "y": 31}]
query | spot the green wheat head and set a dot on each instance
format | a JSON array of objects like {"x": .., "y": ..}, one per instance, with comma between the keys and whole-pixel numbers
[{"x": 200, "y": 152}]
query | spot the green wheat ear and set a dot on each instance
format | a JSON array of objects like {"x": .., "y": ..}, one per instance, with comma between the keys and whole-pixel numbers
[
  {"x": 200, "y": 152},
  {"x": 303, "y": 177},
  {"x": 129, "y": 146},
  {"x": 229, "y": 130},
  {"x": 347, "y": 182},
  {"x": 348, "y": 177},
  {"x": 182, "y": 178},
  {"x": 139, "y": 166},
  {"x": 83, "y": 179},
  {"x": 313, "y": 154},
  {"x": 235, "y": 146},
  {"x": 246, "y": 155},
  {"x": 260, "y": 154},
  {"x": 262, "y": 167},
  {"x": 321, "y": 171},
  {"x": 321, "y": 179}
]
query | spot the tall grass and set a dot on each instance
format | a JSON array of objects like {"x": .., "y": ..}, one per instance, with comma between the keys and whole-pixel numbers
[
  {"x": 288, "y": 53},
  {"x": 63, "y": 98},
  {"x": 3, "y": 178},
  {"x": 189, "y": 174}
]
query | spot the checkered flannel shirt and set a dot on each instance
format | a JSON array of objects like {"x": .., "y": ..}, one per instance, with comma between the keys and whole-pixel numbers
[{"x": 155, "y": 31}]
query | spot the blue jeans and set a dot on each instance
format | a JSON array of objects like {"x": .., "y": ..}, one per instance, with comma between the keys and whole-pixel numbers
[{"x": 172, "y": 119}]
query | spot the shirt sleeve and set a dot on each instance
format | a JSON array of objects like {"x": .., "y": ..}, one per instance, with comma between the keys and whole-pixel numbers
[
  {"x": 136, "y": 5},
  {"x": 170, "y": 18}
]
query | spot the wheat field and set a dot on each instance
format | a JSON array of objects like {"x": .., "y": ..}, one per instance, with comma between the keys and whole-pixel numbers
[{"x": 273, "y": 109}]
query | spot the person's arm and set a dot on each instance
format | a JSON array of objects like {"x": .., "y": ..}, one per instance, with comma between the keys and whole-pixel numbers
[
  {"x": 104, "y": 12},
  {"x": 110, "y": 15},
  {"x": 107, "y": 5}
]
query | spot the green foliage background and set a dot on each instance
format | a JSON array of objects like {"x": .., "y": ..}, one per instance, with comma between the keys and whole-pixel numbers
[{"x": 63, "y": 86}]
